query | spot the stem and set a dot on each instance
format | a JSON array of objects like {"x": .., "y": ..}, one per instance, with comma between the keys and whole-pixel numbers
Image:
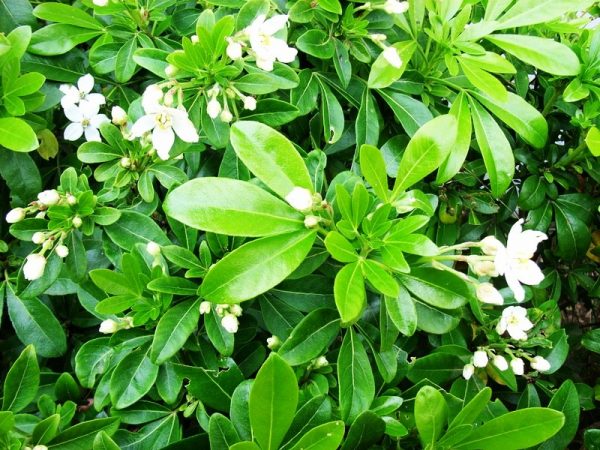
[{"x": 571, "y": 157}]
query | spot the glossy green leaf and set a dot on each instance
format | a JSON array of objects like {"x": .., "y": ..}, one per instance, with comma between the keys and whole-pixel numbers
[
  {"x": 458, "y": 154},
  {"x": 411, "y": 113},
  {"x": 340, "y": 248},
  {"x": 327, "y": 436},
  {"x": 431, "y": 413},
  {"x": 45, "y": 430},
  {"x": 531, "y": 12},
  {"x": 221, "y": 432},
  {"x": 473, "y": 409},
  {"x": 349, "y": 293},
  {"x": 402, "y": 311},
  {"x": 383, "y": 74},
  {"x": 436, "y": 367},
  {"x": 256, "y": 267},
  {"x": 103, "y": 441},
  {"x": 565, "y": 400},
  {"x": 133, "y": 377},
  {"x": 438, "y": 288},
  {"x": 372, "y": 166},
  {"x": 61, "y": 13},
  {"x": 17, "y": 135},
  {"x": 133, "y": 228},
  {"x": 83, "y": 434},
  {"x": 21, "y": 382},
  {"x": 173, "y": 330}
]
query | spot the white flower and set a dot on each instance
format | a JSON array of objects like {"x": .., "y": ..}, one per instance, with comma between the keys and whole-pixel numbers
[
  {"x": 49, "y": 197},
  {"x": 109, "y": 326},
  {"x": 392, "y": 56},
  {"x": 273, "y": 342},
  {"x": 514, "y": 260},
  {"x": 468, "y": 371},
  {"x": 62, "y": 251},
  {"x": 300, "y": 198},
  {"x": 500, "y": 362},
  {"x": 518, "y": 366},
  {"x": 311, "y": 221},
  {"x": 487, "y": 293},
  {"x": 82, "y": 93},
  {"x": 249, "y": 103},
  {"x": 38, "y": 237},
  {"x": 395, "y": 7},
  {"x": 205, "y": 307},
  {"x": 266, "y": 47},
  {"x": 514, "y": 320},
  {"x": 230, "y": 323},
  {"x": 153, "y": 248},
  {"x": 34, "y": 266},
  {"x": 234, "y": 49},
  {"x": 86, "y": 120},
  {"x": 480, "y": 358},
  {"x": 118, "y": 116},
  {"x": 164, "y": 122},
  {"x": 100, "y": 2},
  {"x": 213, "y": 108},
  {"x": 15, "y": 215},
  {"x": 540, "y": 364},
  {"x": 236, "y": 310}
]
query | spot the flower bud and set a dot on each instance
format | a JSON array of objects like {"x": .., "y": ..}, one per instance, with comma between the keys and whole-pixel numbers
[
  {"x": 300, "y": 198},
  {"x": 321, "y": 361},
  {"x": 100, "y": 2},
  {"x": 236, "y": 310},
  {"x": 311, "y": 221},
  {"x": 49, "y": 197},
  {"x": 34, "y": 266},
  {"x": 153, "y": 248},
  {"x": 118, "y": 116},
  {"x": 109, "y": 326},
  {"x": 15, "y": 215},
  {"x": 226, "y": 116},
  {"x": 169, "y": 99},
  {"x": 468, "y": 371},
  {"x": 518, "y": 366},
  {"x": 490, "y": 245},
  {"x": 484, "y": 268},
  {"x": 230, "y": 323},
  {"x": 234, "y": 49},
  {"x": 249, "y": 103},
  {"x": 213, "y": 108},
  {"x": 500, "y": 362},
  {"x": 480, "y": 358},
  {"x": 220, "y": 309},
  {"x": 77, "y": 222},
  {"x": 395, "y": 7},
  {"x": 40, "y": 447},
  {"x": 71, "y": 199},
  {"x": 540, "y": 364},
  {"x": 378, "y": 37},
  {"x": 38, "y": 237},
  {"x": 194, "y": 39},
  {"x": 392, "y": 56},
  {"x": 62, "y": 250},
  {"x": 171, "y": 71},
  {"x": 41, "y": 215},
  {"x": 273, "y": 342},
  {"x": 487, "y": 293},
  {"x": 125, "y": 162},
  {"x": 205, "y": 307}
]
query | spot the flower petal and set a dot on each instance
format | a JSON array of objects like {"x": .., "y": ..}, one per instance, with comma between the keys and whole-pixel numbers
[
  {"x": 88, "y": 109},
  {"x": 98, "y": 120},
  {"x": 92, "y": 134},
  {"x": 98, "y": 99},
  {"x": 86, "y": 83},
  {"x": 274, "y": 24},
  {"x": 143, "y": 125},
  {"x": 528, "y": 272},
  {"x": 162, "y": 140},
  {"x": 73, "y": 131},
  {"x": 74, "y": 113},
  {"x": 183, "y": 126},
  {"x": 513, "y": 283}
]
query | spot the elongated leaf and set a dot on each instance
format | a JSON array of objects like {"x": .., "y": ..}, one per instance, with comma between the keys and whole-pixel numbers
[
  {"x": 340, "y": 248},
  {"x": 372, "y": 166},
  {"x": 21, "y": 382},
  {"x": 133, "y": 377},
  {"x": 473, "y": 409},
  {"x": 411, "y": 113},
  {"x": 452, "y": 164},
  {"x": 355, "y": 378},
  {"x": 256, "y": 267},
  {"x": 431, "y": 412},
  {"x": 438, "y": 288},
  {"x": 532, "y": 12},
  {"x": 323, "y": 437},
  {"x": 349, "y": 293},
  {"x": 17, "y": 135},
  {"x": 221, "y": 432},
  {"x": 270, "y": 156},
  {"x": 173, "y": 330},
  {"x": 495, "y": 148},
  {"x": 367, "y": 121},
  {"x": 133, "y": 228},
  {"x": 83, "y": 434},
  {"x": 61, "y": 13},
  {"x": 273, "y": 401},
  {"x": 565, "y": 400},
  {"x": 402, "y": 311},
  {"x": 383, "y": 74}
]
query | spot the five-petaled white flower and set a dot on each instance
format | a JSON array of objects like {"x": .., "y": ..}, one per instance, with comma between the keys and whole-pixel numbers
[
  {"x": 86, "y": 121},
  {"x": 514, "y": 320},
  {"x": 164, "y": 121},
  {"x": 267, "y": 48},
  {"x": 81, "y": 94},
  {"x": 514, "y": 260}
]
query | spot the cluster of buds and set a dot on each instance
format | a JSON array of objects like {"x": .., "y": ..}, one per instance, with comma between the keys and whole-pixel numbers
[
  {"x": 45, "y": 199},
  {"x": 483, "y": 356},
  {"x": 111, "y": 326},
  {"x": 216, "y": 107},
  {"x": 228, "y": 313}
]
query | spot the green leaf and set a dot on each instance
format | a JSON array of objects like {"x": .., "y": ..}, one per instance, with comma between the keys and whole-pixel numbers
[
  {"x": 232, "y": 207},
  {"x": 61, "y": 13},
  {"x": 173, "y": 285},
  {"x": 270, "y": 156},
  {"x": 173, "y": 330},
  {"x": 35, "y": 324},
  {"x": 456, "y": 158},
  {"x": 431, "y": 413},
  {"x": 367, "y": 122},
  {"x": 22, "y": 176},
  {"x": 495, "y": 148},
  {"x": 59, "y": 38},
  {"x": 273, "y": 401},
  {"x": 125, "y": 64},
  {"x": 472, "y": 410},
  {"x": 21, "y": 382},
  {"x": 221, "y": 339},
  {"x": 593, "y": 141},
  {"x": 411, "y": 113},
  {"x": 545, "y": 54},
  {"x": 572, "y": 233},
  {"x": 133, "y": 377},
  {"x": 438, "y": 288},
  {"x": 316, "y": 42},
  {"x": 515, "y": 430},
  {"x": 372, "y": 166},
  {"x": 311, "y": 337},
  {"x": 515, "y": 112},
  {"x": 340, "y": 248},
  {"x": 436, "y": 367},
  {"x": 556, "y": 355},
  {"x": 103, "y": 441},
  {"x": 133, "y": 228},
  {"x": 83, "y": 434},
  {"x": 332, "y": 114},
  {"x": 591, "y": 340},
  {"x": 365, "y": 432},
  {"x": 402, "y": 311},
  {"x": 45, "y": 430},
  {"x": 483, "y": 80},
  {"x": 92, "y": 359},
  {"x": 532, "y": 12},
  {"x": 383, "y": 74},
  {"x": 565, "y": 400},
  {"x": 221, "y": 432},
  {"x": 379, "y": 278},
  {"x": 17, "y": 135},
  {"x": 349, "y": 293},
  {"x": 427, "y": 149},
  {"x": 355, "y": 378},
  {"x": 256, "y": 267},
  {"x": 327, "y": 436}
]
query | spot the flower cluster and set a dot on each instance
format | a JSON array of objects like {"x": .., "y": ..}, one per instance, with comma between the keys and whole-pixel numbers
[
  {"x": 228, "y": 313},
  {"x": 482, "y": 357}
]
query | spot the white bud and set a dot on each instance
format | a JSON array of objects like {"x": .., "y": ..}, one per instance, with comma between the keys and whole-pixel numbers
[
  {"x": 41, "y": 215},
  {"x": 484, "y": 268},
  {"x": 153, "y": 248},
  {"x": 518, "y": 366},
  {"x": 49, "y": 197},
  {"x": 194, "y": 39},
  {"x": 378, "y": 37},
  {"x": 480, "y": 358},
  {"x": 213, "y": 108},
  {"x": 321, "y": 361},
  {"x": 71, "y": 199},
  {"x": 15, "y": 215},
  {"x": 468, "y": 371},
  {"x": 230, "y": 323},
  {"x": 109, "y": 326},
  {"x": 392, "y": 56},
  {"x": 300, "y": 198},
  {"x": 236, "y": 310},
  {"x": 171, "y": 70},
  {"x": 40, "y": 447},
  {"x": 311, "y": 221},
  {"x": 62, "y": 250},
  {"x": 249, "y": 103},
  {"x": 490, "y": 245},
  {"x": 118, "y": 116},
  {"x": 234, "y": 49},
  {"x": 169, "y": 99},
  {"x": 125, "y": 162},
  {"x": 34, "y": 266},
  {"x": 395, "y": 7},
  {"x": 500, "y": 362},
  {"x": 100, "y": 2},
  {"x": 77, "y": 222},
  {"x": 226, "y": 116},
  {"x": 540, "y": 364},
  {"x": 220, "y": 309},
  {"x": 487, "y": 293},
  {"x": 38, "y": 237},
  {"x": 205, "y": 307},
  {"x": 273, "y": 342}
]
